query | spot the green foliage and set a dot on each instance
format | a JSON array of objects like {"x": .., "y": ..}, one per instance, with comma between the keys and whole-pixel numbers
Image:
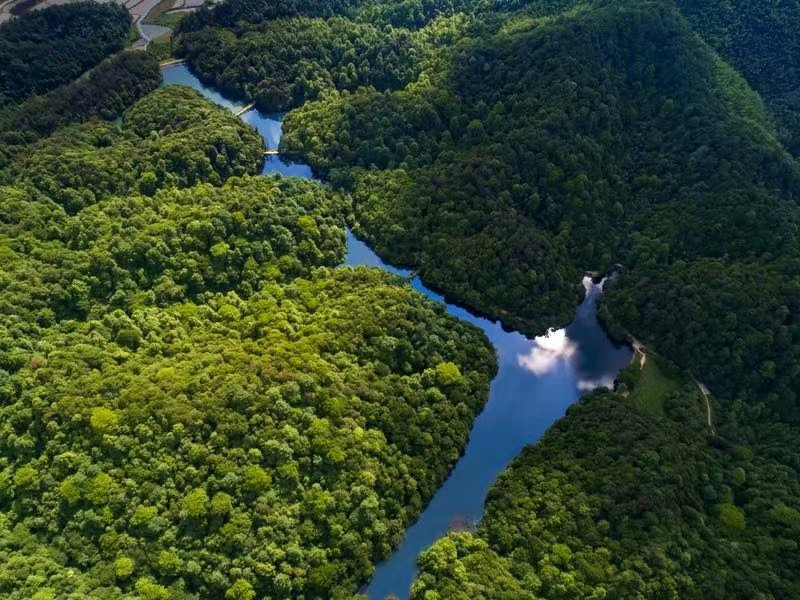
[
  {"x": 731, "y": 324},
  {"x": 249, "y": 453},
  {"x": 760, "y": 40},
  {"x": 232, "y": 12},
  {"x": 240, "y": 590},
  {"x": 123, "y": 567},
  {"x": 261, "y": 63},
  {"x": 104, "y": 420},
  {"x": 105, "y": 92},
  {"x": 194, "y": 403},
  {"x": 170, "y": 138},
  {"x": 43, "y": 49},
  {"x": 650, "y": 386},
  {"x": 616, "y": 503},
  {"x": 544, "y": 138},
  {"x": 525, "y": 154},
  {"x": 730, "y": 516}
]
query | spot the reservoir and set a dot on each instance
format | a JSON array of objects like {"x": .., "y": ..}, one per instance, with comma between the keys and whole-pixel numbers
[{"x": 537, "y": 380}]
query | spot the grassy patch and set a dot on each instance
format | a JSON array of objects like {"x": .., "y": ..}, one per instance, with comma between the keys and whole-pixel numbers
[
  {"x": 161, "y": 47},
  {"x": 133, "y": 35},
  {"x": 157, "y": 11},
  {"x": 653, "y": 384},
  {"x": 171, "y": 19}
]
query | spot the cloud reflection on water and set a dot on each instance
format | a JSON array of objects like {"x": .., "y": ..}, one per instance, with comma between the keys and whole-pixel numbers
[
  {"x": 547, "y": 351},
  {"x": 557, "y": 349}
]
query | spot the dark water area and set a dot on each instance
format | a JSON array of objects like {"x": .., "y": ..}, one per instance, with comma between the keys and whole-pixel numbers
[
  {"x": 181, "y": 75},
  {"x": 537, "y": 380}
]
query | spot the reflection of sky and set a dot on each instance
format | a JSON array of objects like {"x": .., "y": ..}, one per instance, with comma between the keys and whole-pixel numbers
[
  {"x": 275, "y": 164},
  {"x": 557, "y": 348},
  {"x": 537, "y": 380},
  {"x": 546, "y": 351},
  {"x": 269, "y": 126}
]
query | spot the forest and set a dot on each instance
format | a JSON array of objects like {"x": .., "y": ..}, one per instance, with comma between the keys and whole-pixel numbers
[
  {"x": 195, "y": 401},
  {"x": 195, "y": 405},
  {"x": 281, "y": 64},
  {"x": 62, "y": 42},
  {"x": 104, "y": 93},
  {"x": 537, "y": 140},
  {"x": 170, "y": 138},
  {"x": 198, "y": 401}
]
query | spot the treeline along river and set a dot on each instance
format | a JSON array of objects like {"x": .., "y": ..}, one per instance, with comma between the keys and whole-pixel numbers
[{"x": 536, "y": 381}]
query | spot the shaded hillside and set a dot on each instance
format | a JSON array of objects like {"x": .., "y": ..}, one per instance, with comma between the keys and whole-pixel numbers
[
  {"x": 171, "y": 137},
  {"x": 44, "y": 49},
  {"x": 104, "y": 93},
  {"x": 759, "y": 39}
]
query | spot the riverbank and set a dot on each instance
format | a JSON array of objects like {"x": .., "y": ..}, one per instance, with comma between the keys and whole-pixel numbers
[{"x": 538, "y": 378}]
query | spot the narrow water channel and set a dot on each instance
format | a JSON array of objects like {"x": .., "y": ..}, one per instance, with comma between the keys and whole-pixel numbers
[{"x": 537, "y": 380}]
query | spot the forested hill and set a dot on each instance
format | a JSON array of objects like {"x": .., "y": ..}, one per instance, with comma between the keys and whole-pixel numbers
[
  {"x": 105, "y": 92},
  {"x": 195, "y": 403},
  {"x": 519, "y": 159},
  {"x": 171, "y": 137},
  {"x": 43, "y": 49},
  {"x": 528, "y": 141},
  {"x": 760, "y": 39},
  {"x": 195, "y": 406}
]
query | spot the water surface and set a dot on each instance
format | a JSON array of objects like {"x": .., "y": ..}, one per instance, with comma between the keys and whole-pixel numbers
[
  {"x": 536, "y": 382},
  {"x": 181, "y": 75}
]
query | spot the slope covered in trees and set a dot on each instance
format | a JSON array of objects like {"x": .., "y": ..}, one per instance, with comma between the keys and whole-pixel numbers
[
  {"x": 44, "y": 49},
  {"x": 542, "y": 139},
  {"x": 287, "y": 421},
  {"x": 103, "y": 93},
  {"x": 274, "y": 438},
  {"x": 283, "y": 63},
  {"x": 172, "y": 137},
  {"x": 760, "y": 39},
  {"x": 615, "y": 502},
  {"x": 623, "y": 151},
  {"x": 194, "y": 403}
]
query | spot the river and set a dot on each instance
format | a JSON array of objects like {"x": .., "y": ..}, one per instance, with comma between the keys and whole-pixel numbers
[{"x": 536, "y": 381}]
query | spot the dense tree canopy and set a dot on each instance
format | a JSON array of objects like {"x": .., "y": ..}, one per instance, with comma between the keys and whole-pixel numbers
[
  {"x": 595, "y": 159},
  {"x": 615, "y": 502},
  {"x": 43, "y": 49},
  {"x": 281, "y": 64},
  {"x": 760, "y": 39},
  {"x": 103, "y": 93},
  {"x": 172, "y": 137},
  {"x": 196, "y": 404},
  {"x": 544, "y": 138},
  {"x": 194, "y": 401}
]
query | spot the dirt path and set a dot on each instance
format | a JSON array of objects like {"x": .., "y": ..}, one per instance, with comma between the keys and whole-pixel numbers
[
  {"x": 639, "y": 349},
  {"x": 707, "y": 396},
  {"x": 139, "y": 10}
]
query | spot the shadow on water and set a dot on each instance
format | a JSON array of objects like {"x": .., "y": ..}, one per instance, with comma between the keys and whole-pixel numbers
[{"x": 537, "y": 380}]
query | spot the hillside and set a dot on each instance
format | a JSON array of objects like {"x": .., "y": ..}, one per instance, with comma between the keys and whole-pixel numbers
[
  {"x": 61, "y": 41},
  {"x": 195, "y": 403},
  {"x": 760, "y": 40},
  {"x": 541, "y": 139}
]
